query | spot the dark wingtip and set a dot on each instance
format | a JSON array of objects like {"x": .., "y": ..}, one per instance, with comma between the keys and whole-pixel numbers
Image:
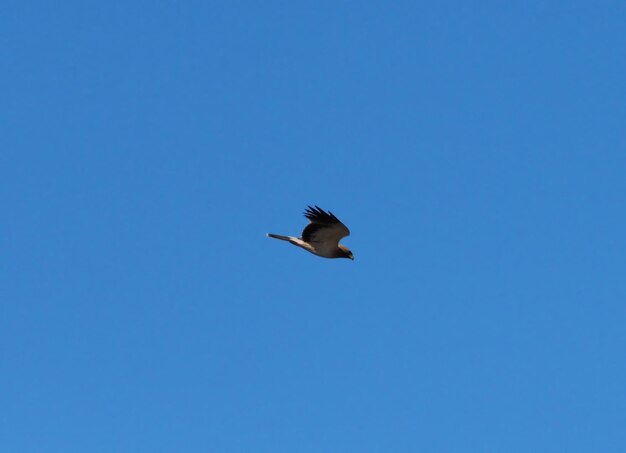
[
  {"x": 317, "y": 213},
  {"x": 313, "y": 211}
]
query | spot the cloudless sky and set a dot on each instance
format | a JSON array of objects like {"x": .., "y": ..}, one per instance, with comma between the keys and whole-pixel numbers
[{"x": 476, "y": 150}]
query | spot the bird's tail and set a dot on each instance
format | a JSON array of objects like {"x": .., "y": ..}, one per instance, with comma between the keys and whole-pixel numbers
[{"x": 278, "y": 236}]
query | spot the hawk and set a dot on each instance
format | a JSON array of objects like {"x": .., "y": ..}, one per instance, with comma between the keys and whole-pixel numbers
[{"x": 321, "y": 236}]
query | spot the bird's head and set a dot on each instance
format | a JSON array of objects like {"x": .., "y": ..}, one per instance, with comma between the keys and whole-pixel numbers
[{"x": 346, "y": 252}]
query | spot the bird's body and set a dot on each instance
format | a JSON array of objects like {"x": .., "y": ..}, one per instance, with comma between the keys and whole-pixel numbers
[{"x": 321, "y": 236}]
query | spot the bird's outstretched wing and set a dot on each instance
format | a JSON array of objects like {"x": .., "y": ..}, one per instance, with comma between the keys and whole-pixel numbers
[{"x": 324, "y": 228}]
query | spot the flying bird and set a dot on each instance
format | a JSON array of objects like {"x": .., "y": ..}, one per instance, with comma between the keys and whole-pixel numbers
[{"x": 321, "y": 236}]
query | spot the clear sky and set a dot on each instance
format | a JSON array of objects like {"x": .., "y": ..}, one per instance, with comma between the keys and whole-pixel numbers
[{"x": 476, "y": 150}]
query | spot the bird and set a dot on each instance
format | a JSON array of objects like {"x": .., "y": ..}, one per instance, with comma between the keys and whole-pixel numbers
[{"x": 321, "y": 236}]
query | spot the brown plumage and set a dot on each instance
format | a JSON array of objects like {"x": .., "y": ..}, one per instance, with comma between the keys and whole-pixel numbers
[{"x": 321, "y": 236}]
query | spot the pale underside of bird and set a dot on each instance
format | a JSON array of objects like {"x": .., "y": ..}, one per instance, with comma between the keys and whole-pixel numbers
[{"x": 321, "y": 236}]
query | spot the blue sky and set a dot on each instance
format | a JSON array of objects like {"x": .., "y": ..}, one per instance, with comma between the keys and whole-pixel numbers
[{"x": 475, "y": 150}]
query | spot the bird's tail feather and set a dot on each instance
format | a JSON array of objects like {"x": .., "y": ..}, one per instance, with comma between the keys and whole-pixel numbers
[{"x": 278, "y": 236}]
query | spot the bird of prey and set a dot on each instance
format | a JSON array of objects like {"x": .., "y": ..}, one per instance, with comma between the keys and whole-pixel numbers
[{"x": 321, "y": 236}]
